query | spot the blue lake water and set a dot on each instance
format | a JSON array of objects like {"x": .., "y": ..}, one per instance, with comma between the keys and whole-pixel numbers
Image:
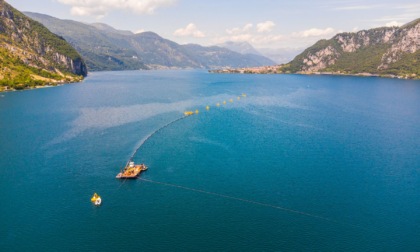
[{"x": 303, "y": 163}]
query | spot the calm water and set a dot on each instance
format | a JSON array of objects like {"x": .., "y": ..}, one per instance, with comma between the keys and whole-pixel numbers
[{"x": 341, "y": 153}]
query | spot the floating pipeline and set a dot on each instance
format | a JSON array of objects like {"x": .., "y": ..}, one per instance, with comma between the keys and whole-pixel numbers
[
  {"x": 186, "y": 114},
  {"x": 281, "y": 208},
  {"x": 153, "y": 133},
  {"x": 277, "y": 207}
]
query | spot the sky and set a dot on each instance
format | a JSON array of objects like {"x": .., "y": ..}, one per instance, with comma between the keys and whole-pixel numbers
[{"x": 266, "y": 24}]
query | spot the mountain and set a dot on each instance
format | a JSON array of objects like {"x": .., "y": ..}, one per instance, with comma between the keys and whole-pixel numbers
[
  {"x": 157, "y": 52},
  {"x": 105, "y": 48},
  {"x": 215, "y": 57},
  {"x": 281, "y": 55},
  {"x": 379, "y": 51},
  {"x": 246, "y": 48},
  {"x": 31, "y": 55},
  {"x": 240, "y": 47},
  {"x": 110, "y": 29},
  {"x": 102, "y": 47}
]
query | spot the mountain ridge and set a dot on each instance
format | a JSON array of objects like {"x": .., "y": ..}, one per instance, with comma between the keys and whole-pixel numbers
[
  {"x": 379, "y": 51},
  {"x": 240, "y": 47},
  {"x": 246, "y": 48},
  {"x": 111, "y": 49}
]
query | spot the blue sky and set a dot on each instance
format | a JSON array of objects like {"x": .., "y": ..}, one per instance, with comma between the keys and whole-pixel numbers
[{"x": 264, "y": 23}]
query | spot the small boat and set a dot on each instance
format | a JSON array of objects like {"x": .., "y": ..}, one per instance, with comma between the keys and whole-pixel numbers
[
  {"x": 96, "y": 199},
  {"x": 131, "y": 171}
]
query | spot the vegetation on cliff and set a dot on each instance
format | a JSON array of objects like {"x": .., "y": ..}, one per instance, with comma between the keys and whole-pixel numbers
[
  {"x": 30, "y": 55},
  {"x": 381, "y": 51}
]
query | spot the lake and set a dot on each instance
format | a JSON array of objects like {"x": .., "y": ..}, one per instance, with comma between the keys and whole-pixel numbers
[{"x": 290, "y": 162}]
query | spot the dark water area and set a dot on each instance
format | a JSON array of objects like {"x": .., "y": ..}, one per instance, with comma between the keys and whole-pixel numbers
[{"x": 302, "y": 163}]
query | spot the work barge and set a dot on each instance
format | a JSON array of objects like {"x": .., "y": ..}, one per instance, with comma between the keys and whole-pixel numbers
[{"x": 131, "y": 171}]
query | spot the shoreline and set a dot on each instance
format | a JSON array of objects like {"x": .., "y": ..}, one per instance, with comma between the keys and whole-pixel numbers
[
  {"x": 276, "y": 70},
  {"x": 58, "y": 84}
]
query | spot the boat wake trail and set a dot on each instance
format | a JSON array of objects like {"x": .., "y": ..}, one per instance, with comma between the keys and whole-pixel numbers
[
  {"x": 251, "y": 202},
  {"x": 144, "y": 140}
]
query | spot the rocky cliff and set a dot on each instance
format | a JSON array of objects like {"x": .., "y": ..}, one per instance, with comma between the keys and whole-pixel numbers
[
  {"x": 32, "y": 55},
  {"x": 387, "y": 50}
]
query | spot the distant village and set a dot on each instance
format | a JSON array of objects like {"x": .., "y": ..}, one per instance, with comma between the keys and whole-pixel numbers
[
  {"x": 251, "y": 70},
  {"x": 277, "y": 69}
]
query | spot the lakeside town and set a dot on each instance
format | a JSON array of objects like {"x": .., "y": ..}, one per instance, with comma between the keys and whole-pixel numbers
[{"x": 277, "y": 69}]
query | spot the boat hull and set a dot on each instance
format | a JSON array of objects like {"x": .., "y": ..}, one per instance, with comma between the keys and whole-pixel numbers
[{"x": 131, "y": 171}]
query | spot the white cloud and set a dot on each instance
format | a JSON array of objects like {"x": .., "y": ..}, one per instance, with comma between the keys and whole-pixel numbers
[
  {"x": 266, "y": 26},
  {"x": 252, "y": 34},
  {"x": 189, "y": 31},
  {"x": 238, "y": 30},
  {"x": 247, "y": 27},
  {"x": 254, "y": 39},
  {"x": 393, "y": 23},
  {"x": 102, "y": 7},
  {"x": 235, "y": 30},
  {"x": 314, "y": 32}
]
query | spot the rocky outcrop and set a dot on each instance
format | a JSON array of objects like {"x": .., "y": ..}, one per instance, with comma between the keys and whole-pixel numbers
[
  {"x": 320, "y": 59},
  {"x": 35, "y": 45},
  {"x": 387, "y": 50},
  {"x": 408, "y": 42}
]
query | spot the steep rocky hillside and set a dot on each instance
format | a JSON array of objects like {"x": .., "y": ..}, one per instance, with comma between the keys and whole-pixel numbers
[
  {"x": 31, "y": 55},
  {"x": 380, "y": 51},
  {"x": 102, "y": 47}
]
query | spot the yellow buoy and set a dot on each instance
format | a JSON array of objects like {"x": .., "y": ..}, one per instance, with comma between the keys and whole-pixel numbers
[
  {"x": 224, "y": 102},
  {"x": 218, "y": 104},
  {"x": 244, "y": 95},
  {"x": 196, "y": 111},
  {"x": 188, "y": 113},
  {"x": 207, "y": 107},
  {"x": 239, "y": 98},
  {"x": 231, "y": 100}
]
